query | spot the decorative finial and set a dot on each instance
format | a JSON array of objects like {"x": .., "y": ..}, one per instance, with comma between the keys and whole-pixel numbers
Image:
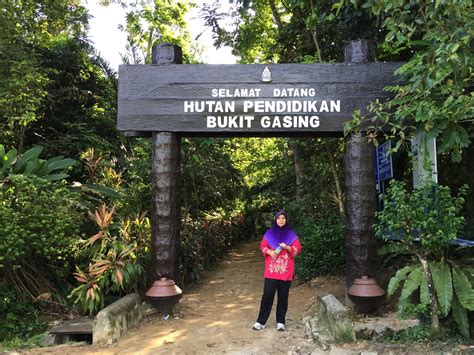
[{"x": 266, "y": 75}]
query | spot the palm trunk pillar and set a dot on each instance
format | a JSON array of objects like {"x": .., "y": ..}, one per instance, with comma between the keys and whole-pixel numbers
[
  {"x": 165, "y": 181},
  {"x": 360, "y": 196}
]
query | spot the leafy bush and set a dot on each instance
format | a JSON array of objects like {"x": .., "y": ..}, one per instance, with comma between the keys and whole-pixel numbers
[
  {"x": 423, "y": 221},
  {"x": 112, "y": 262},
  {"x": 206, "y": 241},
  {"x": 323, "y": 247},
  {"x": 40, "y": 226},
  {"x": 18, "y": 317}
]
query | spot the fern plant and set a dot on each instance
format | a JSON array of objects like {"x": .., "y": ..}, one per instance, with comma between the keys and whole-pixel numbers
[{"x": 423, "y": 222}]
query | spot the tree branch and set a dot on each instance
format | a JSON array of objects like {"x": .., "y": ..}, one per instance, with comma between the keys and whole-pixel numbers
[
  {"x": 276, "y": 15},
  {"x": 314, "y": 35}
]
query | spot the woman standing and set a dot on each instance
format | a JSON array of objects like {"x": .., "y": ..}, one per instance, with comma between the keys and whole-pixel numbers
[{"x": 279, "y": 245}]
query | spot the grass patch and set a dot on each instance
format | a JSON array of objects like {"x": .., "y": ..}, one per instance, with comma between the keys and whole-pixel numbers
[
  {"x": 344, "y": 333},
  {"x": 21, "y": 343},
  {"x": 423, "y": 334}
]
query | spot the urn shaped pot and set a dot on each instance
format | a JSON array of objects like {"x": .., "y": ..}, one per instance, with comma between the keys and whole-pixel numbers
[
  {"x": 366, "y": 294},
  {"x": 164, "y": 295}
]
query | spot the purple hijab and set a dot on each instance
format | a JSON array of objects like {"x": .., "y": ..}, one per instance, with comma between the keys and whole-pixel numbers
[{"x": 276, "y": 235}]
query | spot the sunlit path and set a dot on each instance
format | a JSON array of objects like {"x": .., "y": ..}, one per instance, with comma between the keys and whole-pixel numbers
[{"x": 216, "y": 315}]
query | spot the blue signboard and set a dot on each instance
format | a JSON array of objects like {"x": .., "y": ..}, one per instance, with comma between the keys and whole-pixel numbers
[{"x": 383, "y": 163}]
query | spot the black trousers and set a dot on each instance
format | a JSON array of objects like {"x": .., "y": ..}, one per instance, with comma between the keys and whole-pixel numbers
[{"x": 269, "y": 288}]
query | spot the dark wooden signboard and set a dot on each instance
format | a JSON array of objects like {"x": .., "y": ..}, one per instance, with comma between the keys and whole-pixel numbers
[{"x": 243, "y": 100}]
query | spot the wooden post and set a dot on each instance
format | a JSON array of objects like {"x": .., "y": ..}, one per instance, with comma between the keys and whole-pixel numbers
[
  {"x": 165, "y": 182},
  {"x": 360, "y": 197}
]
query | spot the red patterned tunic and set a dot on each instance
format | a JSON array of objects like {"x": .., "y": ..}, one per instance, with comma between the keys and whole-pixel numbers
[{"x": 283, "y": 267}]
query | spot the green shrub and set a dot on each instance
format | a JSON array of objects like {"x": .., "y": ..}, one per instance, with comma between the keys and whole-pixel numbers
[
  {"x": 323, "y": 248},
  {"x": 40, "y": 226},
  {"x": 424, "y": 221},
  {"x": 111, "y": 267},
  {"x": 206, "y": 241},
  {"x": 422, "y": 333},
  {"x": 18, "y": 317}
]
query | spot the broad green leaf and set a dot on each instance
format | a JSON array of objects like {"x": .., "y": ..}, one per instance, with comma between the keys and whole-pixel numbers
[
  {"x": 31, "y": 166},
  {"x": 455, "y": 47},
  {"x": 470, "y": 274},
  {"x": 395, "y": 281},
  {"x": 103, "y": 190},
  {"x": 460, "y": 316},
  {"x": 336, "y": 6},
  {"x": 54, "y": 177},
  {"x": 56, "y": 158},
  {"x": 25, "y": 157},
  {"x": 2, "y": 154},
  {"x": 443, "y": 284},
  {"x": 424, "y": 292},
  {"x": 42, "y": 168},
  {"x": 412, "y": 282},
  {"x": 463, "y": 288},
  {"x": 9, "y": 158},
  {"x": 60, "y": 165}
]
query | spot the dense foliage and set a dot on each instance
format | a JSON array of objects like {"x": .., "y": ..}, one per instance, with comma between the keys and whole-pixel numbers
[
  {"x": 150, "y": 22},
  {"x": 323, "y": 246},
  {"x": 424, "y": 221},
  {"x": 40, "y": 226},
  {"x": 435, "y": 95},
  {"x": 27, "y": 29},
  {"x": 18, "y": 317}
]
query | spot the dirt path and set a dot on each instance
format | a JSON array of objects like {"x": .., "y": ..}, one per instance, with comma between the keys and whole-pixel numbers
[{"x": 215, "y": 316}]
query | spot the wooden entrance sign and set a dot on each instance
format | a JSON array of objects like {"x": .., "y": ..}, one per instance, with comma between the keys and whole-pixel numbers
[
  {"x": 239, "y": 100},
  {"x": 168, "y": 100}
]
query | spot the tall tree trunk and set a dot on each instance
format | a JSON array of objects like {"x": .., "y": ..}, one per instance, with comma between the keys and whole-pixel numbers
[
  {"x": 432, "y": 292},
  {"x": 332, "y": 164},
  {"x": 298, "y": 165},
  {"x": 22, "y": 138},
  {"x": 149, "y": 47}
]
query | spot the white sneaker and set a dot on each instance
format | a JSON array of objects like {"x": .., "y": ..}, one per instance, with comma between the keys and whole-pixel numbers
[
  {"x": 258, "y": 326},
  {"x": 280, "y": 327}
]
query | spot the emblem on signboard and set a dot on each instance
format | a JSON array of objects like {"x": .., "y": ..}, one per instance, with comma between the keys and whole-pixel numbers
[{"x": 266, "y": 75}]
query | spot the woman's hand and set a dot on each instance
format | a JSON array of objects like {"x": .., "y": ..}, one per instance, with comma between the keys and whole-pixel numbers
[
  {"x": 271, "y": 253},
  {"x": 286, "y": 247}
]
